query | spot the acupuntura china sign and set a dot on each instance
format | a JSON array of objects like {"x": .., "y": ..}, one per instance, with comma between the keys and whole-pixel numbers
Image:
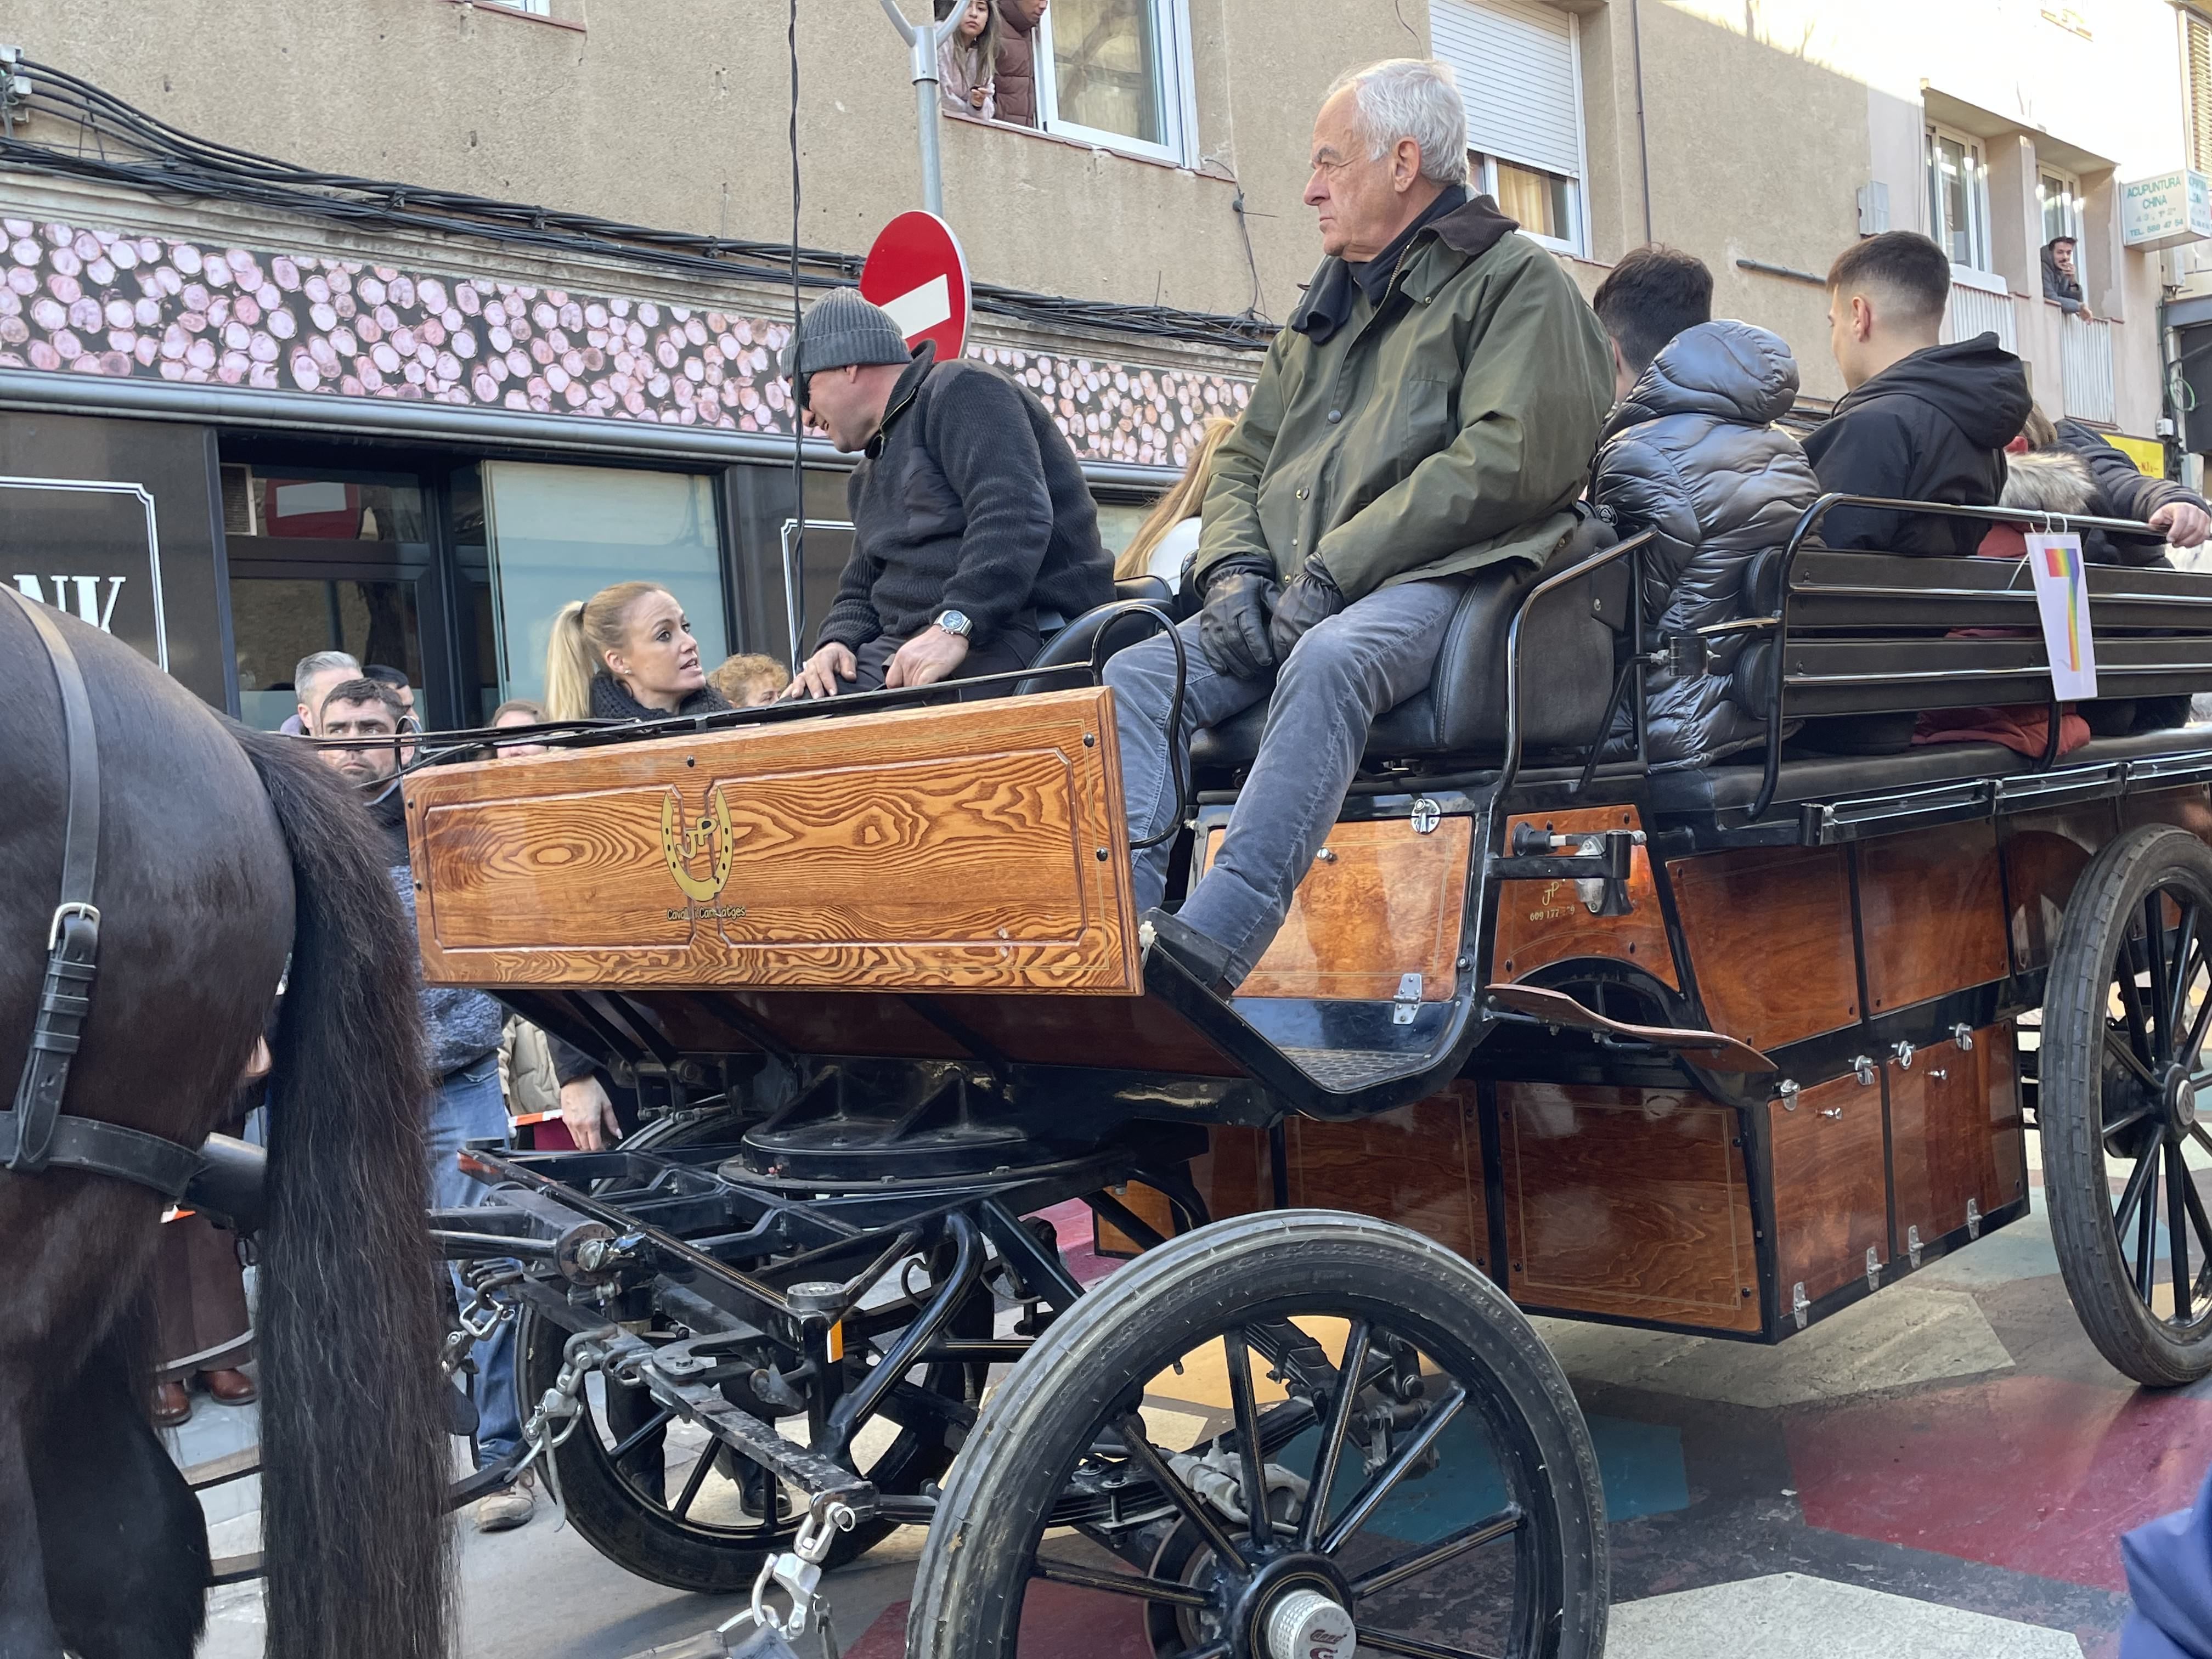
[{"x": 2166, "y": 209}]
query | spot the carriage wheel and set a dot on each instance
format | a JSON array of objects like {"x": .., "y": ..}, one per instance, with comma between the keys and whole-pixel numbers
[
  {"x": 1445, "y": 1506},
  {"x": 2125, "y": 1012}
]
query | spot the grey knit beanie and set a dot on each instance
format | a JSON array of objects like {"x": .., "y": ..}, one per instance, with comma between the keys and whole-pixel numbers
[{"x": 843, "y": 328}]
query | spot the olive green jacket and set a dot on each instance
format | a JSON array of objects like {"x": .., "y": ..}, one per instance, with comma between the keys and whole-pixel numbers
[{"x": 1446, "y": 430}]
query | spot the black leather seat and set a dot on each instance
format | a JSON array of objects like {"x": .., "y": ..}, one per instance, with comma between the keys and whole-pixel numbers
[
  {"x": 1566, "y": 670},
  {"x": 1076, "y": 643}
]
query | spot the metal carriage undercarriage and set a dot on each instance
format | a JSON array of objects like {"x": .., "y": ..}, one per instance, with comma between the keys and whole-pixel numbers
[{"x": 1719, "y": 1050}]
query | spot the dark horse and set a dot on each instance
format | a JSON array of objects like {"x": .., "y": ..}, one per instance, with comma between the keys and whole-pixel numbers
[{"x": 221, "y": 851}]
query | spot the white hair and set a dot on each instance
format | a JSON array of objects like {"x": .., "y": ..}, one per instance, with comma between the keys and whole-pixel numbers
[{"x": 1415, "y": 98}]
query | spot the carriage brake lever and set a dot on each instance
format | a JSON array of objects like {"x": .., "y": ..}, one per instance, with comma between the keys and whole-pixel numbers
[{"x": 1602, "y": 860}]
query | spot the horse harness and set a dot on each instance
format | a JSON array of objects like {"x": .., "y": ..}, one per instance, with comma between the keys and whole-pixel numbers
[{"x": 35, "y": 1134}]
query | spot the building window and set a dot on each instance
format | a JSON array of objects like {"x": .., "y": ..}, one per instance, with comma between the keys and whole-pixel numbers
[
  {"x": 1117, "y": 73},
  {"x": 2059, "y": 197},
  {"x": 2200, "y": 90},
  {"x": 1518, "y": 64},
  {"x": 1958, "y": 197}
]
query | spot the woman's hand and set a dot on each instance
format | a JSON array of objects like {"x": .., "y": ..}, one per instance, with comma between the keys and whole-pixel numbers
[
  {"x": 976, "y": 95},
  {"x": 589, "y": 1114}
]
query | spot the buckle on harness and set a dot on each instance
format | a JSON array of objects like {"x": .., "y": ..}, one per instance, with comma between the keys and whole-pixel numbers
[{"x": 89, "y": 913}]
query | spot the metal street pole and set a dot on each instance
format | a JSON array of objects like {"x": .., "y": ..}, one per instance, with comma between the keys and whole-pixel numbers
[{"x": 922, "y": 40}]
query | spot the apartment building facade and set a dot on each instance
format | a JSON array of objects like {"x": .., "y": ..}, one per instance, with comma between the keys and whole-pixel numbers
[{"x": 347, "y": 317}]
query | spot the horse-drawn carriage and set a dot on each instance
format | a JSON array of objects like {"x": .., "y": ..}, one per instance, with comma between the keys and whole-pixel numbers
[{"x": 1721, "y": 1049}]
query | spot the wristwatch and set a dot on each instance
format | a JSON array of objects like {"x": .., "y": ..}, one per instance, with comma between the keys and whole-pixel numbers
[{"x": 956, "y": 623}]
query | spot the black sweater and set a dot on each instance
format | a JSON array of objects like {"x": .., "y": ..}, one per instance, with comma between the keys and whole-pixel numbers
[{"x": 970, "y": 499}]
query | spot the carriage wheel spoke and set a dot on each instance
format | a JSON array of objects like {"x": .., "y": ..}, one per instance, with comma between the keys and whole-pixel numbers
[
  {"x": 2126, "y": 1056},
  {"x": 2185, "y": 946},
  {"x": 2154, "y": 958},
  {"x": 1386, "y": 1480},
  {"x": 2114, "y": 1126},
  {"x": 2199, "y": 1223},
  {"x": 2131, "y": 999},
  {"x": 1247, "y": 1411},
  {"x": 2176, "y": 1232},
  {"x": 2193, "y": 1048},
  {"x": 1503, "y": 1524},
  {"x": 1194, "y": 1508},
  {"x": 2147, "y": 1226},
  {"x": 696, "y": 1479},
  {"x": 2132, "y": 1194},
  {"x": 1384, "y": 1642},
  {"x": 1333, "y": 1433},
  {"x": 1118, "y": 1583},
  {"x": 660, "y": 1419}
]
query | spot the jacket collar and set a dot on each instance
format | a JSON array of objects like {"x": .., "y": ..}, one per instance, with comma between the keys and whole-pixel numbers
[
  {"x": 1468, "y": 231},
  {"x": 903, "y": 393}
]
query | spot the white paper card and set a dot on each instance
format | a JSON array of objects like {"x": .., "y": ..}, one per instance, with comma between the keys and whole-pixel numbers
[{"x": 2061, "y": 594}]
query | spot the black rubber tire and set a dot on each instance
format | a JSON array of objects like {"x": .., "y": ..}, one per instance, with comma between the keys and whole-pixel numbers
[
  {"x": 973, "y": 1569},
  {"x": 2072, "y": 1109}
]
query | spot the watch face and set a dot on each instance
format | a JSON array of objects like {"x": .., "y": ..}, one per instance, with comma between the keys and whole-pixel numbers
[{"x": 955, "y": 622}]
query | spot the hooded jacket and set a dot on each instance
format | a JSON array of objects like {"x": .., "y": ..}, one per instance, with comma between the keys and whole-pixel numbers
[
  {"x": 1016, "y": 79},
  {"x": 1692, "y": 455},
  {"x": 1448, "y": 427},
  {"x": 2124, "y": 491},
  {"x": 1931, "y": 427}
]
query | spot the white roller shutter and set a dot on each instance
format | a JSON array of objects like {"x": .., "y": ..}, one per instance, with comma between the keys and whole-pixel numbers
[{"x": 1515, "y": 64}]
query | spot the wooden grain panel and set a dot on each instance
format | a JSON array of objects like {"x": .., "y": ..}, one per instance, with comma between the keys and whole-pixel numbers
[
  {"x": 975, "y": 845},
  {"x": 1628, "y": 1202},
  {"x": 1231, "y": 1175},
  {"x": 1931, "y": 912},
  {"x": 1419, "y": 1166},
  {"x": 2044, "y": 854},
  {"x": 1148, "y": 1205},
  {"x": 1380, "y": 901},
  {"x": 1954, "y": 1125},
  {"x": 1831, "y": 1185},
  {"x": 1541, "y": 923},
  {"x": 1769, "y": 933}
]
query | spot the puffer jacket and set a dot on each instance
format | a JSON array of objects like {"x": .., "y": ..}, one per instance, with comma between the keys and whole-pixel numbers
[
  {"x": 1015, "y": 98},
  {"x": 1693, "y": 454}
]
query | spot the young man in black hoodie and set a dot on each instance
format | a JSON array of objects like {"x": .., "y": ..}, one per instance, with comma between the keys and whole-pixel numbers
[{"x": 1922, "y": 421}]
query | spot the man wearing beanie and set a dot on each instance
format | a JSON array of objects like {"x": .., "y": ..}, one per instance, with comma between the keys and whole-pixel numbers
[{"x": 972, "y": 527}]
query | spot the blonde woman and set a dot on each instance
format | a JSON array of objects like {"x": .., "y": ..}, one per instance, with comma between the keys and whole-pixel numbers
[
  {"x": 1168, "y": 536},
  {"x": 626, "y": 654}
]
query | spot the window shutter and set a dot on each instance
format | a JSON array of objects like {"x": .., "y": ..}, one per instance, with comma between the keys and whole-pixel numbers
[
  {"x": 2200, "y": 92},
  {"x": 1515, "y": 60}
]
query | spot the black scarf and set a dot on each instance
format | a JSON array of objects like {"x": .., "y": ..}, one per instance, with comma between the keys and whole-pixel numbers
[
  {"x": 611, "y": 700},
  {"x": 1329, "y": 302}
]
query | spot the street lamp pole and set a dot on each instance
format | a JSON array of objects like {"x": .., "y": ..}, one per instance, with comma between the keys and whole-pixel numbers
[{"x": 922, "y": 40}]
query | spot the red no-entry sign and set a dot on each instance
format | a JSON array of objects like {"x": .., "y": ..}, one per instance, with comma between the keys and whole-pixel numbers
[{"x": 916, "y": 272}]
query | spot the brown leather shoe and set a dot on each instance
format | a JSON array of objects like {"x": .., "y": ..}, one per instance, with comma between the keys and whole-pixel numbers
[
  {"x": 173, "y": 1405},
  {"x": 229, "y": 1387}
]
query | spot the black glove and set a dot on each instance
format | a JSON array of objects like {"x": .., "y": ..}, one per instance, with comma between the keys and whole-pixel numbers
[
  {"x": 1312, "y": 596},
  {"x": 1232, "y": 628}
]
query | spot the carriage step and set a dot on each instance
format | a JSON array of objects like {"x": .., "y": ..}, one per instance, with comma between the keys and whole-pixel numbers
[
  {"x": 221, "y": 1471},
  {"x": 1346, "y": 1069},
  {"x": 235, "y": 1569},
  {"x": 1713, "y": 1050}
]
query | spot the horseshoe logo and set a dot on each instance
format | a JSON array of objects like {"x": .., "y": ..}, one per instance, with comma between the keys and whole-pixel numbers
[{"x": 682, "y": 842}]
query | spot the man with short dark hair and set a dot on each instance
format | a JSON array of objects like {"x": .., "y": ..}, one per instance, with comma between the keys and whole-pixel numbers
[
  {"x": 1645, "y": 301},
  {"x": 312, "y": 678},
  {"x": 1923, "y": 420},
  {"x": 2062, "y": 278}
]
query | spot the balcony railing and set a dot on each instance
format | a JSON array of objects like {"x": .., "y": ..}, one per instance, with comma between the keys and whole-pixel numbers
[
  {"x": 2085, "y": 362},
  {"x": 1974, "y": 310}
]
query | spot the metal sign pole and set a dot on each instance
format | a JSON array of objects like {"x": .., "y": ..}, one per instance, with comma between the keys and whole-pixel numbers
[{"x": 922, "y": 40}]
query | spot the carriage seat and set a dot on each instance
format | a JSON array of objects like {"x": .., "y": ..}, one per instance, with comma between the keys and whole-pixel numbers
[{"x": 1566, "y": 670}]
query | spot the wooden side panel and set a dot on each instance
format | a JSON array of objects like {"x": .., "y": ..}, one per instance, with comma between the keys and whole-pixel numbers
[
  {"x": 1419, "y": 1166},
  {"x": 1232, "y": 1176},
  {"x": 973, "y": 846},
  {"x": 2187, "y": 807},
  {"x": 2044, "y": 854},
  {"x": 1955, "y": 1122},
  {"x": 1541, "y": 922},
  {"x": 1381, "y": 901},
  {"x": 1769, "y": 933},
  {"x": 1831, "y": 1189},
  {"x": 1148, "y": 1205},
  {"x": 1627, "y": 1202},
  {"x": 1932, "y": 910}
]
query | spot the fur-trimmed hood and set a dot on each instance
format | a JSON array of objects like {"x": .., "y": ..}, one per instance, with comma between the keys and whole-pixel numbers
[{"x": 2048, "y": 480}]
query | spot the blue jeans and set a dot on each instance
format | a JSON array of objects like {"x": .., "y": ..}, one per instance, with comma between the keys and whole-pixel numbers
[
  {"x": 1370, "y": 657},
  {"x": 469, "y": 1107}
]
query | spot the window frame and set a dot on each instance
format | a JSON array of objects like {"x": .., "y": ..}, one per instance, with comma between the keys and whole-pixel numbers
[
  {"x": 1979, "y": 238},
  {"x": 1482, "y": 178},
  {"x": 1178, "y": 105}
]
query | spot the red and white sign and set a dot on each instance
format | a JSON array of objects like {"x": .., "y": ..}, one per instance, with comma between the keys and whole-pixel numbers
[{"x": 916, "y": 272}]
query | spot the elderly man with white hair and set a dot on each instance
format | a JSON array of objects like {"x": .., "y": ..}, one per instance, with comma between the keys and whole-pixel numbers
[{"x": 1431, "y": 409}]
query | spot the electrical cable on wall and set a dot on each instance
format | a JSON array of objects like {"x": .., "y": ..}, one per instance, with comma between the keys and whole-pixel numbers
[{"x": 118, "y": 143}]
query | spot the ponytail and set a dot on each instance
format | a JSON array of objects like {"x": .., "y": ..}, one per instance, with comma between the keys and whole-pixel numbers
[{"x": 583, "y": 631}]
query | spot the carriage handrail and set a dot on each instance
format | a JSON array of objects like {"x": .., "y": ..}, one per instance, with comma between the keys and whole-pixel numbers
[
  {"x": 1619, "y": 549},
  {"x": 2047, "y": 523}
]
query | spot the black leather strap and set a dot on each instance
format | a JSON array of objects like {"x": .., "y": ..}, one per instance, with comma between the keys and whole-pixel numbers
[{"x": 108, "y": 1149}]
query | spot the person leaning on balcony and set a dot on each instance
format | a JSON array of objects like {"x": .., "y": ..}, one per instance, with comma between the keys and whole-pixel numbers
[
  {"x": 2062, "y": 278},
  {"x": 1430, "y": 409},
  {"x": 974, "y": 533},
  {"x": 1923, "y": 420},
  {"x": 1016, "y": 77},
  {"x": 968, "y": 58}
]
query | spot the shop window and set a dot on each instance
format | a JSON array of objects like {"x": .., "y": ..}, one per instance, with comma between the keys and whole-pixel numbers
[
  {"x": 1117, "y": 73},
  {"x": 1958, "y": 197},
  {"x": 1519, "y": 64},
  {"x": 557, "y": 533}
]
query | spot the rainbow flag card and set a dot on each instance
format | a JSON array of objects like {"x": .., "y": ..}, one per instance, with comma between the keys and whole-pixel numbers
[{"x": 2061, "y": 594}]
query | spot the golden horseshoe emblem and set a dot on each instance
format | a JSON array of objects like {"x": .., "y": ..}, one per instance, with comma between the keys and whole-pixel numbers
[{"x": 681, "y": 842}]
